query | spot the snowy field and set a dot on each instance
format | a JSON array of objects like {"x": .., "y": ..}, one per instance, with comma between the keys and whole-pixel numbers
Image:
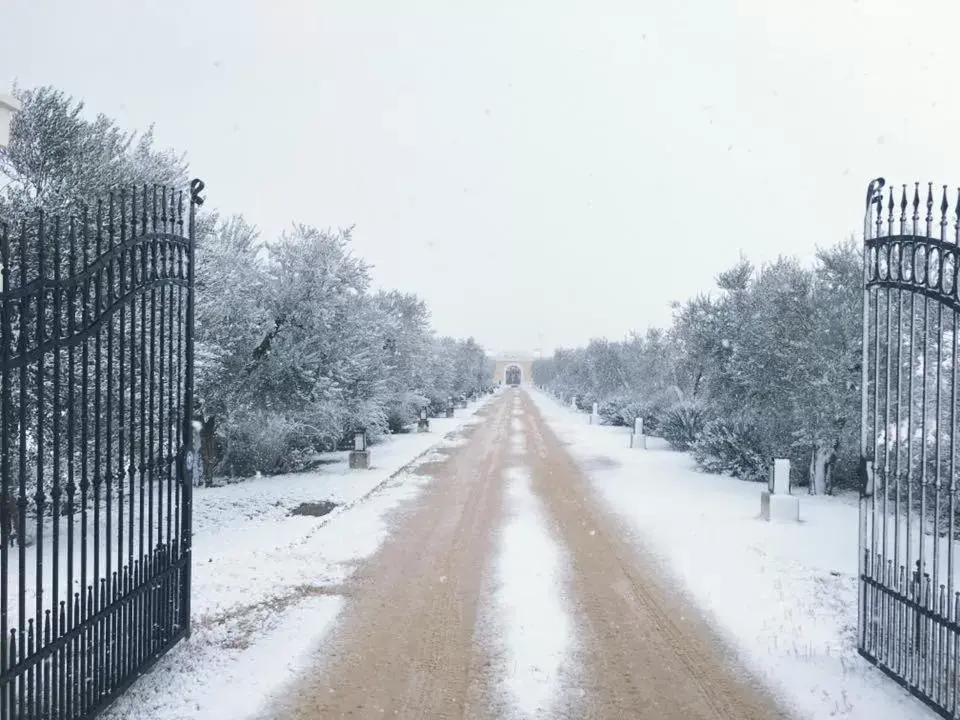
[
  {"x": 266, "y": 584},
  {"x": 784, "y": 596}
]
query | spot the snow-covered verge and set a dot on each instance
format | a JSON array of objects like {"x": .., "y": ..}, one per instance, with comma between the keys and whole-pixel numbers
[
  {"x": 266, "y": 584},
  {"x": 783, "y": 595}
]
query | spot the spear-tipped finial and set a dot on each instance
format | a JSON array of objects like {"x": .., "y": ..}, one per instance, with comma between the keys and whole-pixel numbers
[
  {"x": 873, "y": 192},
  {"x": 956, "y": 222},
  {"x": 196, "y": 187},
  {"x": 944, "y": 206}
]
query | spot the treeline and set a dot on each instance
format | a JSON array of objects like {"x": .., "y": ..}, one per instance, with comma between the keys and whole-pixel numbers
[
  {"x": 766, "y": 366},
  {"x": 294, "y": 349}
]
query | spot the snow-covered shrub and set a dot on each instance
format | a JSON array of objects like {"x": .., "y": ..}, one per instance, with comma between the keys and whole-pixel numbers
[
  {"x": 371, "y": 416},
  {"x": 730, "y": 447},
  {"x": 586, "y": 400},
  {"x": 622, "y": 411},
  {"x": 272, "y": 442},
  {"x": 404, "y": 409},
  {"x": 262, "y": 442},
  {"x": 651, "y": 412},
  {"x": 682, "y": 424},
  {"x": 617, "y": 411}
]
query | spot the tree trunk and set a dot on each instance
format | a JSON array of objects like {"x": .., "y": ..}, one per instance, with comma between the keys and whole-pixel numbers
[
  {"x": 208, "y": 450},
  {"x": 696, "y": 384},
  {"x": 831, "y": 463},
  {"x": 821, "y": 462}
]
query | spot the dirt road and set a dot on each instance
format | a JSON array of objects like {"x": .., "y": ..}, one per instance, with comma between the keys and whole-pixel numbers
[{"x": 417, "y": 641}]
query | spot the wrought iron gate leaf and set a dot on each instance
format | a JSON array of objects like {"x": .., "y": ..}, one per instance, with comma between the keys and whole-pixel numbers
[
  {"x": 908, "y": 604},
  {"x": 96, "y": 385}
]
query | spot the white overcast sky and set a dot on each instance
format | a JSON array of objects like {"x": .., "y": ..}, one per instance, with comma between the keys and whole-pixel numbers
[{"x": 539, "y": 170}]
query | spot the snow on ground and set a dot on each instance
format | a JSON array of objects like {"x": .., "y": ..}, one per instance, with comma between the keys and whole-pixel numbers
[
  {"x": 266, "y": 583},
  {"x": 535, "y": 627},
  {"x": 783, "y": 595},
  {"x": 518, "y": 443}
]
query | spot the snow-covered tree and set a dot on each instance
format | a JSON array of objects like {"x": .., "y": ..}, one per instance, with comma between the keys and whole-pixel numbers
[
  {"x": 767, "y": 364},
  {"x": 231, "y": 288},
  {"x": 59, "y": 160},
  {"x": 293, "y": 351}
]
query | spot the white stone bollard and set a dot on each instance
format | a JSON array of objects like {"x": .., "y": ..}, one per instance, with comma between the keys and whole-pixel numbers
[
  {"x": 595, "y": 414},
  {"x": 781, "y": 477},
  {"x": 776, "y": 502},
  {"x": 360, "y": 455},
  {"x": 637, "y": 438},
  {"x": 573, "y": 403}
]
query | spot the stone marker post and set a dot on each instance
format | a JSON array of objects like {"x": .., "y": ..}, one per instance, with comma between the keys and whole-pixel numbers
[
  {"x": 776, "y": 502},
  {"x": 360, "y": 455}
]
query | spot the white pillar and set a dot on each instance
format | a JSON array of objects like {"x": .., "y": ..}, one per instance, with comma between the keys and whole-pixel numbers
[
  {"x": 776, "y": 502},
  {"x": 8, "y": 106},
  {"x": 595, "y": 415},
  {"x": 781, "y": 477},
  {"x": 637, "y": 438}
]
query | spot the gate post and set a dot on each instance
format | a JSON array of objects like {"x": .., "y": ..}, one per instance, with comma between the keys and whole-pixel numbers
[
  {"x": 186, "y": 478},
  {"x": 637, "y": 438},
  {"x": 874, "y": 197}
]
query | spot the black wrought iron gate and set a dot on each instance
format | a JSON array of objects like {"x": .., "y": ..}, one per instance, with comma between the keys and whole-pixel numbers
[
  {"x": 96, "y": 386},
  {"x": 909, "y": 602}
]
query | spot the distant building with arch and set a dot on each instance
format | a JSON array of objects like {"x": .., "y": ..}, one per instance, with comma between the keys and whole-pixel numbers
[{"x": 514, "y": 368}]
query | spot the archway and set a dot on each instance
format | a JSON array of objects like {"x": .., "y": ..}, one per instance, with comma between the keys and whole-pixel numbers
[
  {"x": 523, "y": 362},
  {"x": 512, "y": 375}
]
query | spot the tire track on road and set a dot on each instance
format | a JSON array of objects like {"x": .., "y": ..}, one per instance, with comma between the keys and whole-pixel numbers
[{"x": 649, "y": 652}]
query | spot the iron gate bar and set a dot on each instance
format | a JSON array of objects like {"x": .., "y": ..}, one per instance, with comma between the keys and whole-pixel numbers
[
  {"x": 907, "y": 611},
  {"x": 70, "y": 327}
]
